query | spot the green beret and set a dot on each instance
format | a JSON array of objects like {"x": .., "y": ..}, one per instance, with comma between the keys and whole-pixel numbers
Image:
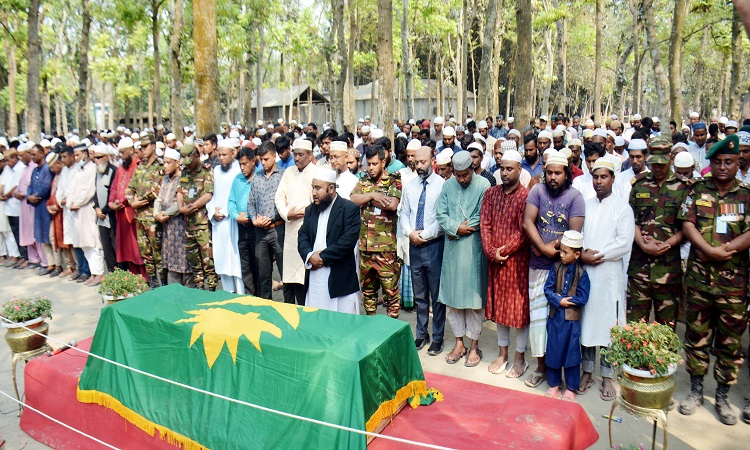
[{"x": 729, "y": 146}]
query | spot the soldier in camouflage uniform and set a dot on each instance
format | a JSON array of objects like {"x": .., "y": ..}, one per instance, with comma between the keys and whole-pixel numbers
[
  {"x": 655, "y": 270},
  {"x": 196, "y": 189},
  {"x": 378, "y": 195},
  {"x": 141, "y": 193},
  {"x": 716, "y": 220}
]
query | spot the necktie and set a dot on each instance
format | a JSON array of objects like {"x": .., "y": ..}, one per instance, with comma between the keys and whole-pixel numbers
[{"x": 420, "y": 209}]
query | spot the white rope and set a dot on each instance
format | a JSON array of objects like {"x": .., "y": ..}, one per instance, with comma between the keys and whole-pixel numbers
[
  {"x": 59, "y": 422},
  {"x": 240, "y": 402}
]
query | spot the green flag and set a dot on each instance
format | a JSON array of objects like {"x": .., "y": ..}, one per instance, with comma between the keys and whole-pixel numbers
[{"x": 338, "y": 368}]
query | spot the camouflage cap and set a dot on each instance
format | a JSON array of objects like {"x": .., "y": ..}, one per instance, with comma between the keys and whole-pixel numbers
[
  {"x": 660, "y": 150},
  {"x": 186, "y": 152},
  {"x": 728, "y": 146},
  {"x": 147, "y": 138}
]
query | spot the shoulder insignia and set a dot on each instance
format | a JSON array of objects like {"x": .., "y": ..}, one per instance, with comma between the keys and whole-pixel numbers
[{"x": 184, "y": 179}]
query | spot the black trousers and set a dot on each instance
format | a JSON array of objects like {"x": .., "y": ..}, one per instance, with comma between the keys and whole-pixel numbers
[
  {"x": 294, "y": 293},
  {"x": 268, "y": 247},
  {"x": 246, "y": 245},
  {"x": 14, "y": 222},
  {"x": 107, "y": 236}
]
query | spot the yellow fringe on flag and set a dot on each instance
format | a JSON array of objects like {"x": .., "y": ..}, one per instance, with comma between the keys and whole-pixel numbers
[
  {"x": 109, "y": 402},
  {"x": 388, "y": 408}
]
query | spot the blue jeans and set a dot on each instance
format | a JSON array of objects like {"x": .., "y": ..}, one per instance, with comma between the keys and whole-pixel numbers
[{"x": 83, "y": 265}]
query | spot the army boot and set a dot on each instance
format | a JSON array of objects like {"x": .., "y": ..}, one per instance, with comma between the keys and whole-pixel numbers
[
  {"x": 746, "y": 411},
  {"x": 725, "y": 411},
  {"x": 694, "y": 398}
]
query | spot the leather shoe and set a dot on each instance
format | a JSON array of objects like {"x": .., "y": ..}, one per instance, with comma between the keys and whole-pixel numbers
[
  {"x": 420, "y": 343},
  {"x": 96, "y": 280},
  {"x": 55, "y": 273},
  {"x": 435, "y": 349},
  {"x": 32, "y": 266},
  {"x": 75, "y": 276},
  {"x": 22, "y": 265},
  {"x": 44, "y": 271},
  {"x": 83, "y": 278}
]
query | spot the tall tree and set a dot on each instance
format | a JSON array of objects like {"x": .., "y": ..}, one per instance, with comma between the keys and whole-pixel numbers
[
  {"x": 524, "y": 97},
  {"x": 175, "y": 41},
  {"x": 34, "y": 49},
  {"x": 155, "y": 8},
  {"x": 339, "y": 78},
  {"x": 10, "y": 55},
  {"x": 598, "y": 66},
  {"x": 385, "y": 67},
  {"x": 408, "y": 72},
  {"x": 205, "y": 51},
  {"x": 660, "y": 76},
  {"x": 675, "y": 60},
  {"x": 83, "y": 67},
  {"x": 736, "y": 69},
  {"x": 486, "y": 88}
]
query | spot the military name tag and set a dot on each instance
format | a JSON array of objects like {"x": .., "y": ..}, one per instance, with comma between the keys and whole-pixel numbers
[
  {"x": 721, "y": 225},
  {"x": 191, "y": 193},
  {"x": 703, "y": 203},
  {"x": 643, "y": 195},
  {"x": 376, "y": 211}
]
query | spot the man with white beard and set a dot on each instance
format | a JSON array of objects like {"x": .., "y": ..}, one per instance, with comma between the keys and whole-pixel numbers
[{"x": 105, "y": 216}]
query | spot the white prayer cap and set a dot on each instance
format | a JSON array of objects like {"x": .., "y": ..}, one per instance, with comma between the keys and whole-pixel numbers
[
  {"x": 449, "y": 132},
  {"x": 324, "y": 174},
  {"x": 732, "y": 124},
  {"x": 86, "y": 142},
  {"x": 444, "y": 157},
  {"x": 683, "y": 160},
  {"x": 225, "y": 143},
  {"x": 587, "y": 133},
  {"x": 615, "y": 160},
  {"x": 401, "y": 134},
  {"x": 3, "y": 142},
  {"x": 549, "y": 151},
  {"x": 438, "y": 121},
  {"x": 160, "y": 127},
  {"x": 172, "y": 153},
  {"x": 680, "y": 145},
  {"x": 566, "y": 152},
  {"x": 511, "y": 119},
  {"x": 515, "y": 133},
  {"x": 45, "y": 143},
  {"x": 413, "y": 144},
  {"x": 482, "y": 125},
  {"x": 694, "y": 115},
  {"x": 462, "y": 160},
  {"x": 543, "y": 117},
  {"x": 637, "y": 117},
  {"x": 603, "y": 163},
  {"x": 101, "y": 149},
  {"x": 51, "y": 158},
  {"x": 160, "y": 145},
  {"x": 723, "y": 120},
  {"x": 360, "y": 120},
  {"x": 377, "y": 133},
  {"x": 257, "y": 141},
  {"x": 637, "y": 144},
  {"x": 262, "y": 132},
  {"x": 558, "y": 133},
  {"x": 619, "y": 141},
  {"x": 366, "y": 130},
  {"x": 544, "y": 134},
  {"x": 137, "y": 145},
  {"x": 135, "y": 137},
  {"x": 557, "y": 159},
  {"x": 572, "y": 239},
  {"x": 588, "y": 123},
  {"x": 685, "y": 128},
  {"x": 577, "y": 142},
  {"x": 293, "y": 122},
  {"x": 186, "y": 129},
  {"x": 24, "y": 147},
  {"x": 601, "y": 132},
  {"x": 125, "y": 142},
  {"x": 744, "y": 138},
  {"x": 412, "y": 122},
  {"x": 54, "y": 141},
  {"x": 475, "y": 146},
  {"x": 234, "y": 134},
  {"x": 159, "y": 152},
  {"x": 655, "y": 119},
  {"x": 507, "y": 146},
  {"x": 479, "y": 137},
  {"x": 120, "y": 128},
  {"x": 260, "y": 123},
  {"x": 234, "y": 142},
  {"x": 338, "y": 146},
  {"x": 611, "y": 134},
  {"x": 171, "y": 137},
  {"x": 280, "y": 121},
  {"x": 303, "y": 144},
  {"x": 512, "y": 155}
]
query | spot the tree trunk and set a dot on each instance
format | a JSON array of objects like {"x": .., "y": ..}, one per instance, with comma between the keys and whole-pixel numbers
[
  {"x": 10, "y": 55},
  {"x": 465, "y": 36},
  {"x": 247, "y": 114},
  {"x": 340, "y": 55},
  {"x": 259, "y": 76},
  {"x": 620, "y": 79},
  {"x": 406, "y": 64},
  {"x": 636, "y": 10},
  {"x": 524, "y": 70},
  {"x": 562, "y": 68},
  {"x": 58, "y": 114},
  {"x": 205, "y": 53},
  {"x": 547, "y": 75},
  {"x": 350, "y": 109},
  {"x": 700, "y": 66},
  {"x": 675, "y": 60},
  {"x": 722, "y": 86},
  {"x": 439, "y": 80},
  {"x": 660, "y": 77},
  {"x": 509, "y": 87},
  {"x": 736, "y": 69},
  {"x": 46, "y": 108},
  {"x": 175, "y": 41},
  {"x": 598, "y": 58},
  {"x": 83, "y": 66},
  {"x": 34, "y": 50},
  {"x": 155, "y": 6},
  {"x": 429, "y": 80},
  {"x": 384, "y": 53},
  {"x": 487, "y": 91}
]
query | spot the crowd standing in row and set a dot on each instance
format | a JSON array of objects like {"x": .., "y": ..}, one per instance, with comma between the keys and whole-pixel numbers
[{"x": 558, "y": 231}]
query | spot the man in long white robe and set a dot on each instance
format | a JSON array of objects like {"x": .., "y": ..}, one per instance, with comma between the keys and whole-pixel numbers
[
  {"x": 292, "y": 197},
  {"x": 66, "y": 156},
  {"x": 608, "y": 232},
  {"x": 80, "y": 200},
  {"x": 224, "y": 229}
]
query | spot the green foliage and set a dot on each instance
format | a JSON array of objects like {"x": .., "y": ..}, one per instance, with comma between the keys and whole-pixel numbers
[
  {"x": 645, "y": 346},
  {"x": 121, "y": 283},
  {"x": 23, "y": 309}
]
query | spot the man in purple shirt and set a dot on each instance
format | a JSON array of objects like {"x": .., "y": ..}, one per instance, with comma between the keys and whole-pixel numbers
[{"x": 552, "y": 208}]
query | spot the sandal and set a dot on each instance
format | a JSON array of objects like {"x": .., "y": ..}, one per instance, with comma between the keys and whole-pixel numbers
[
  {"x": 500, "y": 369},
  {"x": 607, "y": 398},
  {"x": 553, "y": 392},
  {"x": 450, "y": 360},
  {"x": 584, "y": 388},
  {"x": 473, "y": 364},
  {"x": 568, "y": 396},
  {"x": 535, "y": 379},
  {"x": 517, "y": 375}
]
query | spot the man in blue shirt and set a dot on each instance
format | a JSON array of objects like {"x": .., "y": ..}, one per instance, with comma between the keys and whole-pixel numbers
[
  {"x": 237, "y": 206},
  {"x": 284, "y": 150},
  {"x": 499, "y": 130},
  {"x": 532, "y": 160}
]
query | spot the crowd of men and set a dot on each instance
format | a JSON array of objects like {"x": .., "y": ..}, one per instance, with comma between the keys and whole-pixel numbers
[{"x": 458, "y": 221}]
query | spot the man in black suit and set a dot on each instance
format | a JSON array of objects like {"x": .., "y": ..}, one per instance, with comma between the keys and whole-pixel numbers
[{"x": 327, "y": 242}]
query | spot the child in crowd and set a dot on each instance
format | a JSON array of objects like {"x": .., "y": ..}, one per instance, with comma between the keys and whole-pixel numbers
[{"x": 567, "y": 290}]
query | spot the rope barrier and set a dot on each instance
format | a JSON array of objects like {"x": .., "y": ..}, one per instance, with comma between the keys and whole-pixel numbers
[
  {"x": 233, "y": 400},
  {"x": 59, "y": 422}
]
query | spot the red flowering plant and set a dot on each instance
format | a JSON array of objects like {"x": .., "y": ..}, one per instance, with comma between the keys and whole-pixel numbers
[
  {"x": 652, "y": 347},
  {"x": 23, "y": 309}
]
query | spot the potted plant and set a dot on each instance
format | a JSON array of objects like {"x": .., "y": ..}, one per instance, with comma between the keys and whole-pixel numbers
[
  {"x": 26, "y": 313},
  {"x": 121, "y": 284},
  {"x": 648, "y": 355}
]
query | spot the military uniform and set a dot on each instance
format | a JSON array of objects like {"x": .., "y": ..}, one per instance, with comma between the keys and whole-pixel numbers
[
  {"x": 379, "y": 265},
  {"x": 145, "y": 185},
  {"x": 655, "y": 279},
  {"x": 197, "y": 232}
]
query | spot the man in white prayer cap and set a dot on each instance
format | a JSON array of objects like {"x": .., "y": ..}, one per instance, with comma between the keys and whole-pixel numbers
[
  {"x": 329, "y": 232},
  {"x": 743, "y": 172},
  {"x": 444, "y": 164}
]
